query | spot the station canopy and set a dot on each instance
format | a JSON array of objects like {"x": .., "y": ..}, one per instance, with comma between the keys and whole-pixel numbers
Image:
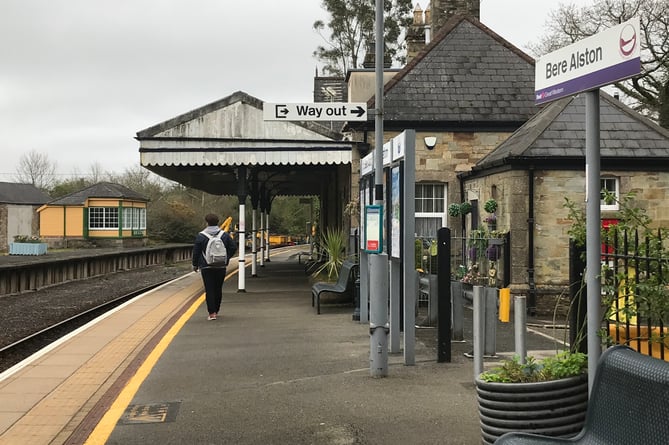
[{"x": 205, "y": 148}]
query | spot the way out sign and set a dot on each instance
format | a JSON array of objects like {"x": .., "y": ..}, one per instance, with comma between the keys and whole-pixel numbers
[
  {"x": 602, "y": 59},
  {"x": 319, "y": 111}
]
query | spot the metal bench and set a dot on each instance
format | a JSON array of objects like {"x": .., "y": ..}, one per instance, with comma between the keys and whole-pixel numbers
[
  {"x": 344, "y": 284},
  {"x": 629, "y": 403}
]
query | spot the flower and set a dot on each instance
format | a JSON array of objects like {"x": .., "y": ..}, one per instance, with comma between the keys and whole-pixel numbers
[
  {"x": 32, "y": 239},
  {"x": 491, "y": 219},
  {"x": 472, "y": 276}
]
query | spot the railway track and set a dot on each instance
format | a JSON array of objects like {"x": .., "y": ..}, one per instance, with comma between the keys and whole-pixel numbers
[
  {"x": 33, "y": 321},
  {"x": 24, "y": 347}
]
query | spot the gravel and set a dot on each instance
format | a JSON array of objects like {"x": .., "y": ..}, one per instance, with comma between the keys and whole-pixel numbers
[{"x": 26, "y": 313}]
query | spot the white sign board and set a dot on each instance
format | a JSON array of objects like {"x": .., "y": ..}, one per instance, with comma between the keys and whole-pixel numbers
[
  {"x": 319, "y": 111},
  {"x": 602, "y": 59}
]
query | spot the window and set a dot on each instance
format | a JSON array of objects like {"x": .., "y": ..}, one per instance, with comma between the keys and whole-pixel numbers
[
  {"x": 430, "y": 208},
  {"x": 611, "y": 185},
  {"x": 134, "y": 218},
  {"x": 103, "y": 218}
]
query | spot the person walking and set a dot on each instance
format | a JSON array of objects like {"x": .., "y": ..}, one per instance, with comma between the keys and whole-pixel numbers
[{"x": 211, "y": 259}]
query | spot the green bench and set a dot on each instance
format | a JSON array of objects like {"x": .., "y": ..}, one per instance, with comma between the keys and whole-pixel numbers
[{"x": 344, "y": 285}]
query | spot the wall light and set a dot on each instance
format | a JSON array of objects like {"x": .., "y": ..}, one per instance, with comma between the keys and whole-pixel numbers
[{"x": 430, "y": 142}]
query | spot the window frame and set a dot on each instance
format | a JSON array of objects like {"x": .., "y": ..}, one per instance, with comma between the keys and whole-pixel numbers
[{"x": 616, "y": 192}]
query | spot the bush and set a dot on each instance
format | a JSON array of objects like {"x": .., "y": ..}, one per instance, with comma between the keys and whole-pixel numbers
[{"x": 562, "y": 365}]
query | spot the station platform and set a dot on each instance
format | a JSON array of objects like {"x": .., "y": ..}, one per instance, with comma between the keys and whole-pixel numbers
[{"x": 268, "y": 371}]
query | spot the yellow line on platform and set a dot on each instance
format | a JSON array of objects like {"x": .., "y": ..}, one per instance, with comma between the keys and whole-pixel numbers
[
  {"x": 105, "y": 427},
  {"x": 108, "y": 422}
]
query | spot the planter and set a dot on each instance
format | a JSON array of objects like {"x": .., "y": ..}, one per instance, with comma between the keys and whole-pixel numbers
[
  {"x": 496, "y": 241},
  {"x": 554, "y": 408},
  {"x": 27, "y": 248}
]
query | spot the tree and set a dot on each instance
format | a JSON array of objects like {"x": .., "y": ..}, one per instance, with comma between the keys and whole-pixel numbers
[
  {"x": 648, "y": 92},
  {"x": 351, "y": 28},
  {"x": 37, "y": 169}
]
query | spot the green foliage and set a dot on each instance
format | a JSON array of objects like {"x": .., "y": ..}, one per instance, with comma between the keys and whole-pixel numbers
[
  {"x": 333, "y": 243},
  {"x": 490, "y": 206},
  {"x": 639, "y": 248},
  {"x": 465, "y": 208},
  {"x": 289, "y": 216},
  {"x": 351, "y": 28},
  {"x": 454, "y": 210},
  {"x": 562, "y": 365}
]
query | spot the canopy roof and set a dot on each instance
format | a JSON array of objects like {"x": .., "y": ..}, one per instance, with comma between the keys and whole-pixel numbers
[{"x": 206, "y": 147}]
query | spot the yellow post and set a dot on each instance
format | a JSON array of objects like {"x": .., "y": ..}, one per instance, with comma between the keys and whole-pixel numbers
[{"x": 504, "y": 305}]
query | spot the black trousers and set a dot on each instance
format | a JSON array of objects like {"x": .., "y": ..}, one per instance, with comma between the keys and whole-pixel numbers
[{"x": 213, "y": 278}]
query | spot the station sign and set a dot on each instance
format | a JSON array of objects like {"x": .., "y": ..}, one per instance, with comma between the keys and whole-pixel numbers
[
  {"x": 318, "y": 111},
  {"x": 602, "y": 59}
]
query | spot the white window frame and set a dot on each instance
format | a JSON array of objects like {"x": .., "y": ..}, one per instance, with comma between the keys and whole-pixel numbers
[
  {"x": 134, "y": 218},
  {"x": 437, "y": 202},
  {"x": 605, "y": 182},
  {"x": 105, "y": 215}
]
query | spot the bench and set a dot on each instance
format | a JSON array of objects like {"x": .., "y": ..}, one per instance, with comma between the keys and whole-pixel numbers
[
  {"x": 629, "y": 403},
  {"x": 344, "y": 284}
]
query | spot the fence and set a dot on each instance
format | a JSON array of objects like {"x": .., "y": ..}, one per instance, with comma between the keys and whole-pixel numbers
[{"x": 635, "y": 291}]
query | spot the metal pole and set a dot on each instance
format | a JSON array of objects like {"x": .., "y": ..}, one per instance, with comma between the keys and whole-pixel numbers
[
  {"x": 408, "y": 237},
  {"x": 458, "y": 311},
  {"x": 378, "y": 317},
  {"x": 241, "y": 195},
  {"x": 378, "y": 280},
  {"x": 520, "y": 326},
  {"x": 478, "y": 326},
  {"x": 592, "y": 229},
  {"x": 444, "y": 295},
  {"x": 490, "y": 330},
  {"x": 394, "y": 290},
  {"x": 254, "y": 251}
]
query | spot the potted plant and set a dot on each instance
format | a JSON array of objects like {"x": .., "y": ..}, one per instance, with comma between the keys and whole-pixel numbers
[
  {"x": 454, "y": 210},
  {"x": 490, "y": 207},
  {"x": 27, "y": 245},
  {"x": 548, "y": 396}
]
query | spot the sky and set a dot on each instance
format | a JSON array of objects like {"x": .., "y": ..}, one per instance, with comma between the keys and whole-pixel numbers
[{"x": 79, "y": 78}]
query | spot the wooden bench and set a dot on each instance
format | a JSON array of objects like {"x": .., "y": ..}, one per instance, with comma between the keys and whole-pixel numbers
[
  {"x": 344, "y": 285},
  {"x": 629, "y": 403}
]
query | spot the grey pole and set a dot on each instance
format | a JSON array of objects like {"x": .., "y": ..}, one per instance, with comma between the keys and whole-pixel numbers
[
  {"x": 592, "y": 229},
  {"x": 395, "y": 270},
  {"x": 490, "y": 330},
  {"x": 478, "y": 328},
  {"x": 378, "y": 280},
  {"x": 378, "y": 317},
  {"x": 520, "y": 326},
  {"x": 408, "y": 237},
  {"x": 241, "y": 194},
  {"x": 458, "y": 311}
]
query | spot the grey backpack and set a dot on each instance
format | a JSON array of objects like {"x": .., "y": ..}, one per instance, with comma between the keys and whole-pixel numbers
[{"x": 215, "y": 254}]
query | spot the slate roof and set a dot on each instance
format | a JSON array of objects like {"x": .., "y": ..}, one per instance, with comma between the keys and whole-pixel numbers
[
  {"x": 99, "y": 190},
  {"x": 467, "y": 76},
  {"x": 28, "y": 194},
  {"x": 557, "y": 133},
  {"x": 238, "y": 96}
]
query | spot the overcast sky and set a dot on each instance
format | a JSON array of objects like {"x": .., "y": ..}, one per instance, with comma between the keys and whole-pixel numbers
[{"x": 79, "y": 78}]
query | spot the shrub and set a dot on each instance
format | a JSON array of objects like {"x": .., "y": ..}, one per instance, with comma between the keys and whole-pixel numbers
[{"x": 562, "y": 365}]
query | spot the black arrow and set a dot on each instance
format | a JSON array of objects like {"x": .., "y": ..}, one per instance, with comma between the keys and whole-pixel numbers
[
  {"x": 358, "y": 111},
  {"x": 280, "y": 109}
]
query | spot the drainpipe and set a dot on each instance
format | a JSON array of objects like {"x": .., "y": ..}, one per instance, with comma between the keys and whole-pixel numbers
[{"x": 532, "y": 301}]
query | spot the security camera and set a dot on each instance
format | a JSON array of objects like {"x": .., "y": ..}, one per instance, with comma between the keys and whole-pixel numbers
[{"x": 430, "y": 142}]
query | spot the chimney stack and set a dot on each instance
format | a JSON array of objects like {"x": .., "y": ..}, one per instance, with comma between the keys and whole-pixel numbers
[{"x": 442, "y": 10}]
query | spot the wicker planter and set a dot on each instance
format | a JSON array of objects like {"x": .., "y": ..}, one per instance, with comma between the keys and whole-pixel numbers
[
  {"x": 27, "y": 248},
  {"x": 553, "y": 408}
]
